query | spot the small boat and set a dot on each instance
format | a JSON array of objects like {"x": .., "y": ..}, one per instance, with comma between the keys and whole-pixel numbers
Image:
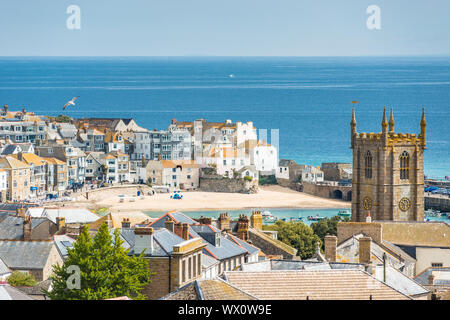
[
  {"x": 267, "y": 216},
  {"x": 293, "y": 219},
  {"x": 316, "y": 218},
  {"x": 344, "y": 213}
]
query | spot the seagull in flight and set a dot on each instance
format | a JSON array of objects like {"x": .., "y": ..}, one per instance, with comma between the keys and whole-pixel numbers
[{"x": 71, "y": 102}]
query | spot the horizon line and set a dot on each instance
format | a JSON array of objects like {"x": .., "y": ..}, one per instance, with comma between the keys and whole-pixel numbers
[{"x": 228, "y": 56}]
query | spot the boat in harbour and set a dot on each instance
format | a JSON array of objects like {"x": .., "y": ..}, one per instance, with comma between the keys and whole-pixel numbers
[
  {"x": 316, "y": 218},
  {"x": 344, "y": 213}
]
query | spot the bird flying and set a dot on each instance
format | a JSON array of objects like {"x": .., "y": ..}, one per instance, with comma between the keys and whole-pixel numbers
[{"x": 71, "y": 102}]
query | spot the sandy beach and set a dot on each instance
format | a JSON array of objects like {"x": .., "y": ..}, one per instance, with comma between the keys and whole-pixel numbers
[{"x": 267, "y": 197}]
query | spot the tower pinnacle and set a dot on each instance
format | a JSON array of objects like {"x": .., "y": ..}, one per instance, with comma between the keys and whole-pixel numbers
[{"x": 391, "y": 121}]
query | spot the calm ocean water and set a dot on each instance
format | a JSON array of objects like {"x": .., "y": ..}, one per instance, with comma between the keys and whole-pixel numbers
[
  {"x": 276, "y": 212},
  {"x": 307, "y": 99}
]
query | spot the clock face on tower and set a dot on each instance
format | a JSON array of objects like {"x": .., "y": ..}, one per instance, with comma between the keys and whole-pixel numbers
[
  {"x": 404, "y": 204},
  {"x": 367, "y": 203}
]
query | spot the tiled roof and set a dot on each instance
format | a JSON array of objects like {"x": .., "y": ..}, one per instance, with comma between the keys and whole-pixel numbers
[
  {"x": 12, "y": 163},
  {"x": 209, "y": 289},
  {"x": 53, "y": 161},
  {"x": 31, "y": 158},
  {"x": 25, "y": 254},
  {"x": 347, "y": 284}
]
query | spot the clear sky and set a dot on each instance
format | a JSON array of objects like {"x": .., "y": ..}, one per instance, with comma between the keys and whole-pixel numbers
[{"x": 224, "y": 28}]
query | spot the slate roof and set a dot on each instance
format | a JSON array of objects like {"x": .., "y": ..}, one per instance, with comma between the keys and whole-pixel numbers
[
  {"x": 176, "y": 216},
  {"x": 244, "y": 244},
  {"x": 8, "y": 292},
  {"x": 400, "y": 281},
  {"x": 347, "y": 284},
  {"x": 210, "y": 289},
  {"x": 4, "y": 268},
  {"x": 25, "y": 254},
  {"x": 163, "y": 241},
  {"x": 63, "y": 242},
  {"x": 442, "y": 276},
  {"x": 12, "y": 207},
  {"x": 226, "y": 249},
  {"x": 9, "y": 149},
  {"x": 72, "y": 215},
  {"x": 208, "y": 261},
  {"x": 11, "y": 227}
]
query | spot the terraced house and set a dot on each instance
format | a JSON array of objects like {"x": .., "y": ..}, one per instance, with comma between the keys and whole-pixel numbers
[
  {"x": 38, "y": 172},
  {"x": 56, "y": 171},
  {"x": 19, "y": 178}
]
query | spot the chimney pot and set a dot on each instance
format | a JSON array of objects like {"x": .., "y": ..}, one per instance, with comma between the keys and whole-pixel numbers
[{"x": 126, "y": 223}]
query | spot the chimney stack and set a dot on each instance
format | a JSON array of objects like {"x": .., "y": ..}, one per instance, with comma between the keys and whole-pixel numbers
[
  {"x": 205, "y": 220},
  {"x": 431, "y": 279},
  {"x": 27, "y": 228},
  {"x": 368, "y": 218},
  {"x": 169, "y": 224},
  {"x": 185, "y": 231},
  {"x": 330, "y": 248},
  {"x": 21, "y": 212},
  {"x": 224, "y": 221},
  {"x": 143, "y": 240},
  {"x": 61, "y": 223},
  {"x": 126, "y": 223},
  {"x": 364, "y": 249}
]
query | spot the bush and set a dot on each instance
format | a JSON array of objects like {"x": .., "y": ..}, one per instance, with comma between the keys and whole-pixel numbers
[
  {"x": 248, "y": 178},
  {"x": 21, "y": 279},
  {"x": 267, "y": 180},
  {"x": 297, "y": 235}
]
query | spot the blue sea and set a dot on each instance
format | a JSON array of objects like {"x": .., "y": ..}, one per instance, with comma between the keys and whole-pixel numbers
[
  {"x": 279, "y": 213},
  {"x": 307, "y": 99}
]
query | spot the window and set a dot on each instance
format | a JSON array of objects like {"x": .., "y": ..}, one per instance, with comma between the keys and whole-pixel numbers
[
  {"x": 368, "y": 162},
  {"x": 190, "y": 268},
  {"x": 436, "y": 264},
  {"x": 195, "y": 265},
  {"x": 404, "y": 166},
  {"x": 183, "y": 271}
]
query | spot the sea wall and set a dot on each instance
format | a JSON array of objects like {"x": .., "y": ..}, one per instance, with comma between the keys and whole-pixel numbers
[
  {"x": 220, "y": 184},
  {"x": 437, "y": 202}
]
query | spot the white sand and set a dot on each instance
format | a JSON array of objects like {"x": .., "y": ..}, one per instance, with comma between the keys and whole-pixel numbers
[{"x": 267, "y": 197}]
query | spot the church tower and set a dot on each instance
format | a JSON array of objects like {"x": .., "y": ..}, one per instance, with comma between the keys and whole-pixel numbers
[{"x": 388, "y": 180}]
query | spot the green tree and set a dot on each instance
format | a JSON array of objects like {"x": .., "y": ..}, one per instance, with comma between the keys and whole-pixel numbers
[
  {"x": 106, "y": 269},
  {"x": 327, "y": 226},
  {"x": 19, "y": 279},
  {"x": 297, "y": 235}
]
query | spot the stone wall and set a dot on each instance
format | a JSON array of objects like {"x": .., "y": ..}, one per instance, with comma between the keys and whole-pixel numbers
[
  {"x": 328, "y": 191},
  {"x": 347, "y": 229},
  {"x": 437, "y": 202},
  {"x": 270, "y": 246},
  {"x": 220, "y": 184},
  {"x": 434, "y": 233},
  {"x": 159, "y": 285}
]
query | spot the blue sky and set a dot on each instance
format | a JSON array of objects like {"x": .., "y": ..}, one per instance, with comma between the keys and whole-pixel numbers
[{"x": 224, "y": 28}]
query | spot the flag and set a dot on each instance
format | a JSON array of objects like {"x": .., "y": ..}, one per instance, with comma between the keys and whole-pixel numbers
[{"x": 355, "y": 102}]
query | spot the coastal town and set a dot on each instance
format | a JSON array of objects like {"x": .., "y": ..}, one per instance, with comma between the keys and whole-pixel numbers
[{"x": 65, "y": 180}]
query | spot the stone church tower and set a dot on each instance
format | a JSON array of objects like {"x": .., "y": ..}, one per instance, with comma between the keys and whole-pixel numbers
[{"x": 388, "y": 179}]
